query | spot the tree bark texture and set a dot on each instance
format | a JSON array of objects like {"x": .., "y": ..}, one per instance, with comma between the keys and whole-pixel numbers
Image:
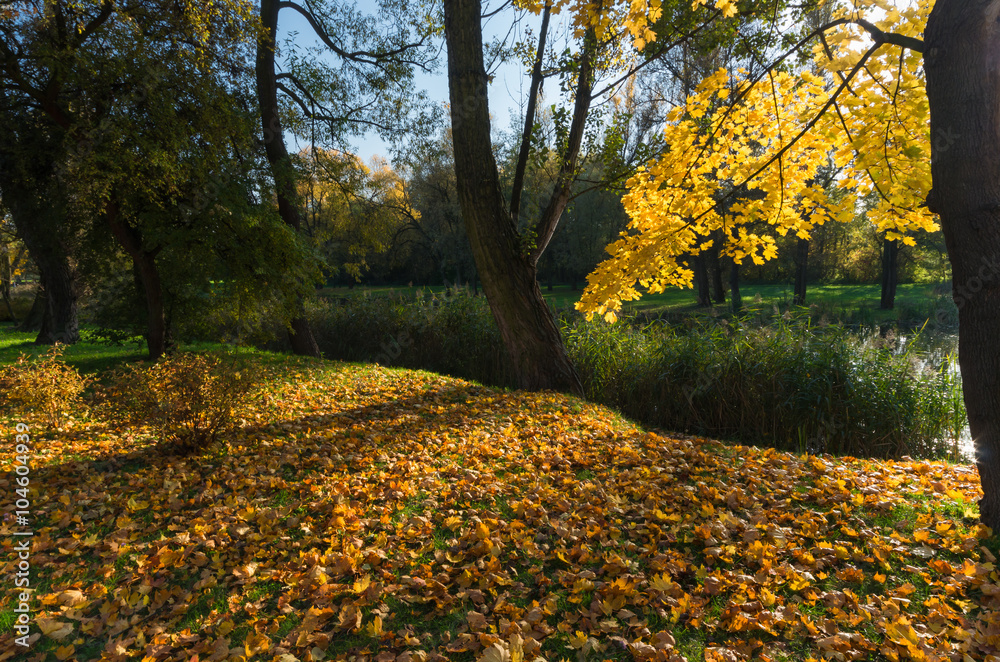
[
  {"x": 962, "y": 63},
  {"x": 144, "y": 264},
  {"x": 39, "y": 218},
  {"x": 35, "y": 318},
  {"x": 301, "y": 336},
  {"x": 890, "y": 273},
  {"x": 505, "y": 267}
]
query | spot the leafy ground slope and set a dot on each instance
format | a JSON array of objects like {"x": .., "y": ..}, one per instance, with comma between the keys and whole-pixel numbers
[{"x": 397, "y": 516}]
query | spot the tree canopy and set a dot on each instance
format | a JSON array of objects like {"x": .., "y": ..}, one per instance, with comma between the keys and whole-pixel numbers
[{"x": 859, "y": 109}]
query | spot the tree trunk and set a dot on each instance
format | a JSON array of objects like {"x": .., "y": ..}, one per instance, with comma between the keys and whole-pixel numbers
[
  {"x": 801, "y": 272},
  {"x": 10, "y": 307},
  {"x": 5, "y": 284},
  {"x": 301, "y": 336},
  {"x": 715, "y": 266},
  {"x": 890, "y": 273},
  {"x": 962, "y": 62},
  {"x": 40, "y": 222},
  {"x": 41, "y": 234},
  {"x": 144, "y": 264},
  {"x": 35, "y": 317},
  {"x": 36, "y": 202},
  {"x": 508, "y": 273},
  {"x": 734, "y": 288},
  {"x": 701, "y": 280}
]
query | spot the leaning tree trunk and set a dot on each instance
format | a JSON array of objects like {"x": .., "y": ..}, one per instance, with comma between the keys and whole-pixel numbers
[
  {"x": 301, "y": 335},
  {"x": 962, "y": 62},
  {"x": 508, "y": 274},
  {"x": 890, "y": 273},
  {"x": 144, "y": 264}
]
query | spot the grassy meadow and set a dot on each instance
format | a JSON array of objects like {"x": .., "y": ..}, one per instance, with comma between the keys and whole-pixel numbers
[{"x": 378, "y": 514}]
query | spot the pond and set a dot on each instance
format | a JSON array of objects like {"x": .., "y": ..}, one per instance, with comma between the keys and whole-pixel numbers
[{"x": 929, "y": 350}]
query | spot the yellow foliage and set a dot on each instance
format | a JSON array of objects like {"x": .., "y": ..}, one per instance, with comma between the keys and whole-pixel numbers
[
  {"x": 44, "y": 386},
  {"x": 190, "y": 399},
  {"x": 775, "y": 136}
]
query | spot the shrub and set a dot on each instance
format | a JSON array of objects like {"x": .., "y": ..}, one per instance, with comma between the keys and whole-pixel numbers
[
  {"x": 454, "y": 335},
  {"x": 189, "y": 399},
  {"x": 44, "y": 386},
  {"x": 788, "y": 384}
]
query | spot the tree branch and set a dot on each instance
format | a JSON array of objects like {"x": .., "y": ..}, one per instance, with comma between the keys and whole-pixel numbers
[
  {"x": 880, "y": 37},
  {"x": 310, "y": 112},
  {"x": 826, "y": 106},
  {"x": 546, "y": 227},
  {"x": 529, "y": 118},
  {"x": 362, "y": 57},
  {"x": 107, "y": 7}
]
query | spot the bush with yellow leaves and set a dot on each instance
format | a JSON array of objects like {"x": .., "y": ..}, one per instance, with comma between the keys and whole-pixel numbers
[
  {"x": 188, "y": 399},
  {"x": 43, "y": 387}
]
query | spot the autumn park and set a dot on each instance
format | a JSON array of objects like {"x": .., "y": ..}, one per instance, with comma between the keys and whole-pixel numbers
[{"x": 500, "y": 331}]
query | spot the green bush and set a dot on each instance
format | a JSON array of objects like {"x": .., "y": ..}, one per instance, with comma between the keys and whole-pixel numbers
[
  {"x": 453, "y": 335},
  {"x": 788, "y": 385},
  {"x": 189, "y": 399}
]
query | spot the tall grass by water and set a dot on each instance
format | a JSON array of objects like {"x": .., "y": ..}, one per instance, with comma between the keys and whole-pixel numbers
[{"x": 789, "y": 384}]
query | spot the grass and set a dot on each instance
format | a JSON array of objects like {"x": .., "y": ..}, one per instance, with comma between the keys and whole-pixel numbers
[
  {"x": 96, "y": 357},
  {"x": 796, "y": 384},
  {"x": 855, "y": 304},
  {"x": 86, "y": 357},
  {"x": 464, "y": 518}
]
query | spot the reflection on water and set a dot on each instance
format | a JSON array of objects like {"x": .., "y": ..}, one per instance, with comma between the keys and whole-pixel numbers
[{"x": 929, "y": 350}]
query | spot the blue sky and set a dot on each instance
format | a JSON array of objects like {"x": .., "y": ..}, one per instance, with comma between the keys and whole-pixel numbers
[{"x": 508, "y": 90}]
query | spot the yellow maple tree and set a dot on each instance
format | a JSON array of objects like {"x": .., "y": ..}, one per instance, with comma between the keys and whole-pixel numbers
[{"x": 860, "y": 110}]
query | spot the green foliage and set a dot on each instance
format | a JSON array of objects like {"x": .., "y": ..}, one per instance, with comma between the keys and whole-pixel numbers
[
  {"x": 453, "y": 335},
  {"x": 788, "y": 385},
  {"x": 189, "y": 399},
  {"x": 42, "y": 386}
]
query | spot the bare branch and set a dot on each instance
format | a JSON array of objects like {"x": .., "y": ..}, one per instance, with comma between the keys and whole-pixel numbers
[
  {"x": 546, "y": 227},
  {"x": 529, "y": 118},
  {"x": 880, "y": 37},
  {"x": 375, "y": 58},
  {"x": 309, "y": 111}
]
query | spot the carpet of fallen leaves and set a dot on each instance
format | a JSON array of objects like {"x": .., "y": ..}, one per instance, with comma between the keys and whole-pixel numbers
[{"x": 397, "y": 516}]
